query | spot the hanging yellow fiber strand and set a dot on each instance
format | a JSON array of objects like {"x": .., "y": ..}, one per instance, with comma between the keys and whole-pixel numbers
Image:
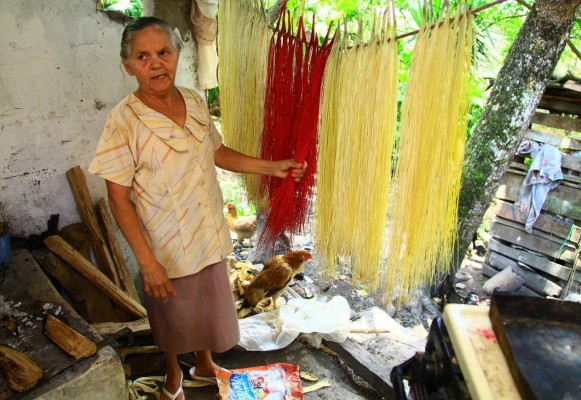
[
  {"x": 357, "y": 126},
  {"x": 434, "y": 120},
  {"x": 243, "y": 41}
]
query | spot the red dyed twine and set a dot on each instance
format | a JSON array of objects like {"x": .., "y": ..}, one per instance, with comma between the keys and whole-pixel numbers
[{"x": 296, "y": 66}]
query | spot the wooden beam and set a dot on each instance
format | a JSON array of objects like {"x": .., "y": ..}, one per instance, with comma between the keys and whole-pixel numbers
[
  {"x": 562, "y": 200},
  {"x": 126, "y": 282},
  {"x": 365, "y": 365},
  {"x": 138, "y": 327},
  {"x": 557, "y": 121},
  {"x": 532, "y": 280},
  {"x": 533, "y": 261},
  {"x": 59, "y": 246},
  {"x": 530, "y": 241},
  {"x": 544, "y": 223},
  {"x": 84, "y": 202},
  {"x": 90, "y": 302}
]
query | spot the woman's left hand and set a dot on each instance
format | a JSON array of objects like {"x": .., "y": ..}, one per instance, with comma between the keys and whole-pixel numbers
[{"x": 283, "y": 167}]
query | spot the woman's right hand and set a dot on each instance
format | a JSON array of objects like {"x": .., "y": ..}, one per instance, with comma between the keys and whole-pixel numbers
[{"x": 156, "y": 283}]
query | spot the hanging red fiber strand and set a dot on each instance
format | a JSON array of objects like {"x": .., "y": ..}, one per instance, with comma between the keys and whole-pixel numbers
[{"x": 296, "y": 65}]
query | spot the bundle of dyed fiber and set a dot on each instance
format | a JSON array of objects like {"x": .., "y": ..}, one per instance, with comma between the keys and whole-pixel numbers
[
  {"x": 433, "y": 133},
  {"x": 243, "y": 41},
  {"x": 358, "y": 120},
  {"x": 296, "y": 65}
]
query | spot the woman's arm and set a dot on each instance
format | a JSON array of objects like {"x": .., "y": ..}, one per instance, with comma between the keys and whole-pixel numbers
[
  {"x": 231, "y": 160},
  {"x": 155, "y": 277}
]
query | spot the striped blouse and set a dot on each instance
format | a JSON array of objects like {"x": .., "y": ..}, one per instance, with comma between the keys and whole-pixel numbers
[{"x": 173, "y": 176}]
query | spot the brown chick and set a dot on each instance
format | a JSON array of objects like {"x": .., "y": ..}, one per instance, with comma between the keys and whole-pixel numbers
[
  {"x": 243, "y": 227},
  {"x": 275, "y": 277}
]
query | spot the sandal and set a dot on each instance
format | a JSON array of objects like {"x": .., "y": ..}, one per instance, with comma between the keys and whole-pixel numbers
[
  {"x": 178, "y": 392},
  {"x": 210, "y": 379}
]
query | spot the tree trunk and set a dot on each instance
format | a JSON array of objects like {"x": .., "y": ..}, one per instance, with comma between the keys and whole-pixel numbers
[{"x": 517, "y": 91}]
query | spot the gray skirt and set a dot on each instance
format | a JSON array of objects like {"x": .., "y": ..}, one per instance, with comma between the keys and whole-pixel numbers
[{"x": 202, "y": 316}]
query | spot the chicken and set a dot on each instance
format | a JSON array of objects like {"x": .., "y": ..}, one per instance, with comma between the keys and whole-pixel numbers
[
  {"x": 243, "y": 227},
  {"x": 275, "y": 277}
]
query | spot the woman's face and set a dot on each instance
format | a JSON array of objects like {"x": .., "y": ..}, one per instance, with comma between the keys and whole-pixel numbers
[{"x": 153, "y": 60}]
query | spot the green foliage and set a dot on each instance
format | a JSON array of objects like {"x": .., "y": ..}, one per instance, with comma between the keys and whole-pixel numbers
[
  {"x": 234, "y": 192},
  {"x": 131, "y": 8}
]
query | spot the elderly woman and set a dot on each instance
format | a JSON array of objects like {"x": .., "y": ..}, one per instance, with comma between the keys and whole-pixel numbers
[{"x": 158, "y": 154}]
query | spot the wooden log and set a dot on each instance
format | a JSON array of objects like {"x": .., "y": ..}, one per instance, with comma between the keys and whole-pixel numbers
[
  {"x": 501, "y": 230},
  {"x": 21, "y": 372},
  {"x": 533, "y": 261},
  {"x": 532, "y": 280},
  {"x": 84, "y": 203},
  {"x": 68, "y": 339},
  {"x": 139, "y": 327},
  {"x": 77, "y": 235},
  {"x": 138, "y": 350},
  {"x": 544, "y": 223},
  {"x": 125, "y": 279},
  {"x": 89, "y": 302},
  {"x": 57, "y": 245},
  {"x": 562, "y": 200},
  {"x": 557, "y": 121}
]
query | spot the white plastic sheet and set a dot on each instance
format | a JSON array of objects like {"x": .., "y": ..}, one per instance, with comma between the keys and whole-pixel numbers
[{"x": 278, "y": 328}]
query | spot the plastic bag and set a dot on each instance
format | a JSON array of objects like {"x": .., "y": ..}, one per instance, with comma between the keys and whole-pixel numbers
[
  {"x": 270, "y": 382},
  {"x": 314, "y": 319}
]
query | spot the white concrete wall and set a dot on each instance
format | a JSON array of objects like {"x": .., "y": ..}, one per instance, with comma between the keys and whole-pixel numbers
[{"x": 60, "y": 74}]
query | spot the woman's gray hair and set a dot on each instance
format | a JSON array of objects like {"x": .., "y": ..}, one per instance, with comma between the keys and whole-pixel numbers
[{"x": 142, "y": 23}]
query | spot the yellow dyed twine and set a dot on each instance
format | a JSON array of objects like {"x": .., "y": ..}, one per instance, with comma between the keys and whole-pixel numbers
[
  {"x": 243, "y": 42},
  {"x": 357, "y": 126},
  {"x": 423, "y": 215}
]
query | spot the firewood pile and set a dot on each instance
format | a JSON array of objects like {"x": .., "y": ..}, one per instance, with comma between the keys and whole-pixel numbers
[
  {"x": 103, "y": 293},
  {"x": 546, "y": 260}
]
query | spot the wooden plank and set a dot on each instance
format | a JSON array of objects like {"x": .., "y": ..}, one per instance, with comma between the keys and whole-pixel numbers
[
  {"x": 569, "y": 163},
  {"x": 365, "y": 365},
  {"x": 89, "y": 301},
  {"x": 557, "y": 121},
  {"x": 126, "y": 282},
  {"x": 533, "y": 261},
  {"x": 562, "y": 200},
  {"x": 544, "y": 137},
  {"x": 57, "y": 245},
  {"x": 555, "y": 140},
  {"x": 544, "y": 223},
  {"x": 568, "y": 179},
  {"x": 523, "y": 290},
  {"x": 532, "y": 280},
  {"x": 567, "y": 244},
  {"x": 84, "y": 202},
  {"x": 138, "y": 327},
  {"x": 559, "y": 105},
  {"x": 529, "y": 241}
]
